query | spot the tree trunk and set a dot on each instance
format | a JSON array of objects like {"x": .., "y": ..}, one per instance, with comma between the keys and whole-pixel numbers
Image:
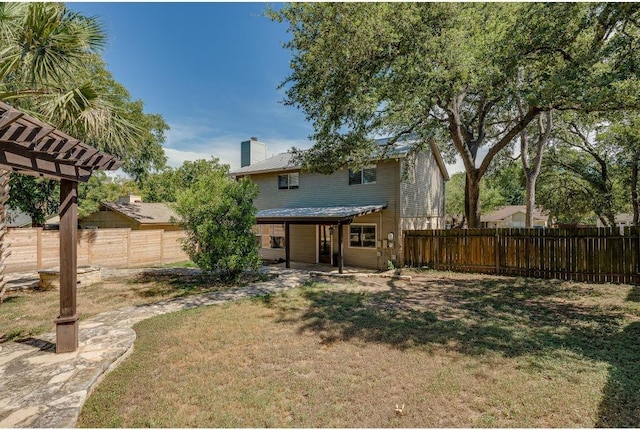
[
  {"x": 530, "y": 195},
  {"x": 532, "y": 169},
  {"x": 472, "y": 200},
  {"x": 4, "y": 253},
  {"x": 609, "y": 212}
]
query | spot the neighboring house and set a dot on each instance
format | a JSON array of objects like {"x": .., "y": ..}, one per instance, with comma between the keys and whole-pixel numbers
[
  {"x": 18, "y": 219},
  {"x": 513, "y": 216},
  {"x": 353, "y": 218},
  {"x": 622, "y": 221},
  {"x": 130, "y": 212}
]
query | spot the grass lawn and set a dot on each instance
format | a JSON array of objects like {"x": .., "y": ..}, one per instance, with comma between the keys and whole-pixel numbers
[
  {"x": 457, "y": 350},
  {"x": 28, "y": 313}
]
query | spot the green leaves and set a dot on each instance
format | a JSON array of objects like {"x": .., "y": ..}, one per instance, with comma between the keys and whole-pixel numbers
[
  {"x": 50, "y": 68},
  {"x": 453, "y": 70},
  {"x": 164, "y": 186},
  {"x": 218, "y": 216},
  {"x": 45, "y": 41}
]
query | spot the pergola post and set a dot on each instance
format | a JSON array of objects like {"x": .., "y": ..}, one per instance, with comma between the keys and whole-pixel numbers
[
  {"x": 29, "y": 146},
  {"x": 67, "y": 322},
  {"x": 287, "y": 247},
  {"x": 340, "y": 253}
]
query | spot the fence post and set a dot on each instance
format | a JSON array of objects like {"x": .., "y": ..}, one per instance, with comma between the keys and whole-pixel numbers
[
  {"x": 128, "y": 248},
  {"x": 39, "y": 247},
  {"x": 162, "y": 246},
  {"x": 497, "y": 251}
]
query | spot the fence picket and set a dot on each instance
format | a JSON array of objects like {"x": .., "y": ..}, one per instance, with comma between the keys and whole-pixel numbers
[{"x": 585, "y": 254}]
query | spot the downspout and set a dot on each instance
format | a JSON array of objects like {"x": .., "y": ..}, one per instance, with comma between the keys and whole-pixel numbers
[{"x": 380, "y": 240}]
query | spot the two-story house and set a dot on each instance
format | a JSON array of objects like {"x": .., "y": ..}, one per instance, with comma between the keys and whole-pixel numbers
[{"x": 350, "y": 217}]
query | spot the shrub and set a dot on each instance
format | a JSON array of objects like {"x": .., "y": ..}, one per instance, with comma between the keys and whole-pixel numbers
[{"x": 217, "y": 214}]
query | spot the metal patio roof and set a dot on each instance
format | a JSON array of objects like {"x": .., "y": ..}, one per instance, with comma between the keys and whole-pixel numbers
[{"x": 316, "y": 215}]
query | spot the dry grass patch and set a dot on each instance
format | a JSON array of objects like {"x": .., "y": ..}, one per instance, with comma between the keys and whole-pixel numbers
[
  {"x": 457, "y": 350},
  {"x": 28, "y": 313}
]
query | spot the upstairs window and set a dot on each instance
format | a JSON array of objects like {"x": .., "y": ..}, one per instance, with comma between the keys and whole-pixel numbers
[
  {"x": 366, "y": 175},
  {"x": 288, "y": 181}
]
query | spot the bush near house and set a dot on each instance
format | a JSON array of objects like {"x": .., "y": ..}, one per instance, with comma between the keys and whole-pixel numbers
[{"x": 217, "y": 214}]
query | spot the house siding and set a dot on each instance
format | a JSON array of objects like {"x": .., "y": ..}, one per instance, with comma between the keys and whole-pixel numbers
[
  {"x": 411, "y": 203},
  {"x": 303, "y": 243},
  {"x": 421, "y": 193},
  {"x": 108, "y": 219},
  {"x": 323, "y": 190},
  {"x": 370, "y": 258},
  {"x": 316, "y": 189}
]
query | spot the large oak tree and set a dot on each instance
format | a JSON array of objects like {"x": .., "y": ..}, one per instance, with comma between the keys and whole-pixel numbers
[{"x": 454, "y": 71}]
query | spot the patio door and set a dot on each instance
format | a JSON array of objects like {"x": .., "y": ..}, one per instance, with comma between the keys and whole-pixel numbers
[{"x": 324, "y": 250}]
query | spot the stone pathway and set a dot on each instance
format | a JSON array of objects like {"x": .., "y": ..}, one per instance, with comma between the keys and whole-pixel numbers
[{"x": 39, "y": 388}]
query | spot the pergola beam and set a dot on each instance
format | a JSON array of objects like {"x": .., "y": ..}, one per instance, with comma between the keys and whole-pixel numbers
[
  {"x": 32, "y": 147},
  {"x": 41, "y": 164}
]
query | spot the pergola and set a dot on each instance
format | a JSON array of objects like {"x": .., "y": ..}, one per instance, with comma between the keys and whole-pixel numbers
[{"x": 32, "y": 147}]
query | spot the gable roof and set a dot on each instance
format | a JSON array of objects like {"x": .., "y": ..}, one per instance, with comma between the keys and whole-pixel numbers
[
  {"x": 144, "y": 213},
  {"x": 275, "y": 163},
  {"x": 507, "y": 211},
  {"x": 283, "y": 162}
]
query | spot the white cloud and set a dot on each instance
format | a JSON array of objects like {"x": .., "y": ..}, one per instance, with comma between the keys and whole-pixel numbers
[
  {"x": 175, "y": 157},
  {"x": 456, "y": 167},
  {"x": 226, "y": 148}
]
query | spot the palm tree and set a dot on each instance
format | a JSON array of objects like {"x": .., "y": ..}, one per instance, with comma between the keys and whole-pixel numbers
[{"x": 48, "y": 65}]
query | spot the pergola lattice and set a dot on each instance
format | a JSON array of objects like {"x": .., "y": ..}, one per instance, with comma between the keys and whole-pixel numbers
[{"x": 30, "y": 146}]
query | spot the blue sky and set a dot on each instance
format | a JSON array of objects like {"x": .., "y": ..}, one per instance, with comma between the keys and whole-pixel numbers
[{"x": 210, "y": 69}]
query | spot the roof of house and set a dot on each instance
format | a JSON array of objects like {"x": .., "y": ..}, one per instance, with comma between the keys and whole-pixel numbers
[
  {"x": 283, "y": 162},
  {"x": 17, "y": 218},
  {"x": 624, "y": 217},
  {"x": 279, "y": 162},
  {"x": 314, "y": 215},
  {"x": 507, "y": 211},
  {"x": 144, "y": 213}
]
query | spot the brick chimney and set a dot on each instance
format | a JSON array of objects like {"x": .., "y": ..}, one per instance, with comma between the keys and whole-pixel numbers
[
  {"x": 130, "y": 198},
  {"x": 252, "y": 152}
]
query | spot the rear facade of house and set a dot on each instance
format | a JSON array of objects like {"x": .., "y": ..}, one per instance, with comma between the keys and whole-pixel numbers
[{"x": 371, "y": 206}]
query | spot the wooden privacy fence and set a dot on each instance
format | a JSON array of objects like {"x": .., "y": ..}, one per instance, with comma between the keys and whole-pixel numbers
[
  {"x": 585, "y": 254},
  {"x": 38, "y": 249}
]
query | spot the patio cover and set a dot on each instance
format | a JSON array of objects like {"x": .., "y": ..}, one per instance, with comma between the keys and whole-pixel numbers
[
  {"x": 316, "y": 215},
  {"x": 29, "y": 146},
  {"x": 332, "y": 215}
]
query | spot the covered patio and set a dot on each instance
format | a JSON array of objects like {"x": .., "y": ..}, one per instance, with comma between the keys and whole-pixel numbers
[
  {"x": 334, "y": 216},
  {"x": 29, "y": 146}
]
